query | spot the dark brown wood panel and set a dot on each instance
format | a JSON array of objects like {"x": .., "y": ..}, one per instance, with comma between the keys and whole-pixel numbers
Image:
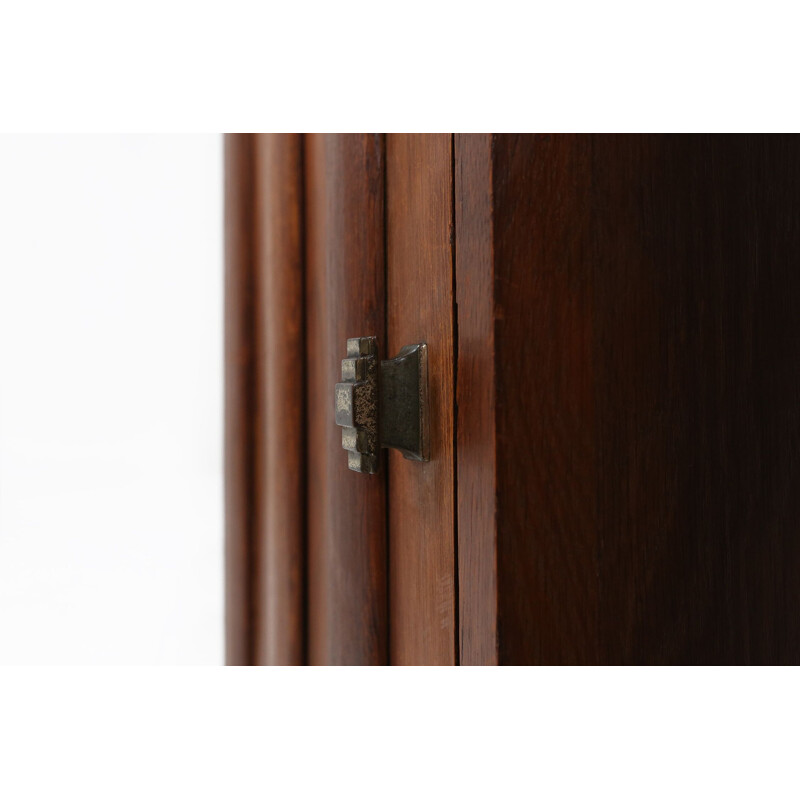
[
  {"x": 242, "y": 507},
  {"x": 647, "y": 408},
  {"x": 345, "y": 297},
  {"x": 695, "y": 256},
  {"x": 549, "y": 451},
  {"x": 419, "y": 226},
  {"x": 279, "y": 590}
]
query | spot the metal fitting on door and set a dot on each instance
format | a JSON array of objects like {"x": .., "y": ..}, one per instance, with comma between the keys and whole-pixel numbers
[{"x": 383, "y": 403}]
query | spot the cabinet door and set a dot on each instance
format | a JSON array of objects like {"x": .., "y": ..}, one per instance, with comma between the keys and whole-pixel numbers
[{"x": 332, "y": 237}]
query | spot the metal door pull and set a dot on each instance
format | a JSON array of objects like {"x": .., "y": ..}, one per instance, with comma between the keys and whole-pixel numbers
[{"x": 383, "y": 403}]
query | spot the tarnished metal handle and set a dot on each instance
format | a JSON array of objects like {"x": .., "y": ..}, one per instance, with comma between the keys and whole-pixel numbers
[{"x": 383, "y": 403}]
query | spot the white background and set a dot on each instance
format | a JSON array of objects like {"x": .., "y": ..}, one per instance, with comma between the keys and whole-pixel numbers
[
  {"x": 691, "y": 65},
  {"x": 111, "y": 532}
]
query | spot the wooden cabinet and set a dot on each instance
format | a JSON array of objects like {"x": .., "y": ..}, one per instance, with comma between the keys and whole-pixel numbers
[{"x": 614, "y": 367}]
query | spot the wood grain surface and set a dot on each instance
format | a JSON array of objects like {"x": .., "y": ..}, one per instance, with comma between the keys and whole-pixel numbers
[
  {"x": 475, "y": 396},
  {"x": 279, "y": 544},
  {"x": 419, "y": 227},
  {"x": 647, "y": 397},
  {"x": 549, "y": 446},
  {"x": 264, "y": 465},
  {"x": 242, "y": 506},
  {"x": 624, "y": 353},
  {"x": 345, "y": 297}
]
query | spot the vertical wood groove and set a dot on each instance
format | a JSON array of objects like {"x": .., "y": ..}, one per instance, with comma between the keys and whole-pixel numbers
[{"x": 454, "y": 290}]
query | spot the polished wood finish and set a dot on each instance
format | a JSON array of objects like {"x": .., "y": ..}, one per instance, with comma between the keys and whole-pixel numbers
[
  {"x": 242, "y": 501},
  {"x": 279, "y": 600},
  {"x": 264, "y": 465},
  {"x": 647, "y": 398},
  {"x": 550, "y": 451},
  {"x": 615, "y": 399},
  {"x": 419, "y": 229},
  {"x": 475, "y": 399},
  {"x": 345, "y": 297}
]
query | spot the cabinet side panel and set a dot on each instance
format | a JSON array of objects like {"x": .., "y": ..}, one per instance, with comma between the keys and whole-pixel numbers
[
  {"x": 694, "y": 242},
  {"x": 547, "y": 446},
  {"x": 647, "y": 398}
]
